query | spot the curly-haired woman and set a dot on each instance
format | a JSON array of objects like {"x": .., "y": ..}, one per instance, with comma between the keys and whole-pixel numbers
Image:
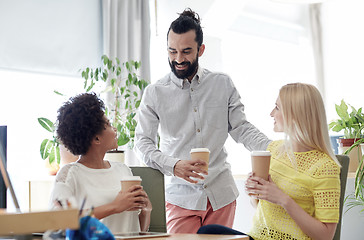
[{"x": 84, "y": 130}]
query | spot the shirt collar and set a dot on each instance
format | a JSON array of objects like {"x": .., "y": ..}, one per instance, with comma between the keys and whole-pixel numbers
[{"x": 181, "y": 82}]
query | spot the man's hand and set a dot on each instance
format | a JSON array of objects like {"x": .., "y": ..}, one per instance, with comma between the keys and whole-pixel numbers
[{"x": 186, "y": 169}]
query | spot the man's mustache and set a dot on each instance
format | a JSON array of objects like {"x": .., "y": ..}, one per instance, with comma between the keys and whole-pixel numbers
[{"x": 174, "y": 63}]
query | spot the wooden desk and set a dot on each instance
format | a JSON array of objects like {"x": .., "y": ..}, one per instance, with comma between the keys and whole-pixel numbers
[{"x": 181, "y": 236}]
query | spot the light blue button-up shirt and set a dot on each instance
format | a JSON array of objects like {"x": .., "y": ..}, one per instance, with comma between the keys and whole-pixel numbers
[{"x": 199, "y": 114}]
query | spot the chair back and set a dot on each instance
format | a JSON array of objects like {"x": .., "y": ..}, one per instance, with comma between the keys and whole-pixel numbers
[
  {"x": 344, "y": 161},
  {"x": 153, "y": 185}
]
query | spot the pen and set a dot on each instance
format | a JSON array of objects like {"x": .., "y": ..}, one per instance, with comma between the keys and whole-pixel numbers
[
  {"x": 59, "y": 203},
  {"x": 82, "y": 205}
]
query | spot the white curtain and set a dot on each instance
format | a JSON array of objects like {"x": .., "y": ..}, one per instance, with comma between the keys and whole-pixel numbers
[
  {"x": 126, "y": 35},
  {"x": 316, "y": 38},
  {"x": 126, "y": 31}
]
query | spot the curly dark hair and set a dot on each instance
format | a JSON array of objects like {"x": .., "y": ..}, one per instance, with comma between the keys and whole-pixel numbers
[
  {"x": 188, "y": 20},
  {"x": 79, "y": 120}
]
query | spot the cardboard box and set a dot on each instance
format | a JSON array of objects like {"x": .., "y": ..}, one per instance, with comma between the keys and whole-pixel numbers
[{"x": 26, "y": 223}]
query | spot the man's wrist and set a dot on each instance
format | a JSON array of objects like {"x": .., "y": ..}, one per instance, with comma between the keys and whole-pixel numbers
[{"x": 174, "y": 167}]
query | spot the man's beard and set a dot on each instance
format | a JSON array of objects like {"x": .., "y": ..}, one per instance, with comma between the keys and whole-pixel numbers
[{"x": 182, "y": 74}]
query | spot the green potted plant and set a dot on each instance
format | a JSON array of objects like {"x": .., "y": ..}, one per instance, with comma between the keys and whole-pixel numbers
[
  {"x": 352, "y": 124},
  {"x": 121, "y": 87},
  {"x": 123, "y": 93}
]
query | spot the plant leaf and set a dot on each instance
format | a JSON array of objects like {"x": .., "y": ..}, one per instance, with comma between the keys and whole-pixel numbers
[
  {"x": 123, "y": 139},
  {"x": 58, "y": 93},
  {"x": 137, "y": 104},
  {"x": 337, "y": 128},
  {"x": 58, "y": 154},
  {"x": 342, "y": 111},
  {"x": 137, "y": 64},
  {"x": 52, "y": 155},
  {"x": 46, "y": 124},
  {"x": 43, "y": 149}
]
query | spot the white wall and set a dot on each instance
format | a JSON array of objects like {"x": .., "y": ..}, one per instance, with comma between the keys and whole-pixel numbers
[
  {"x": 262, "y": 45},
  {"x": 56, "y": 37},
  {"x": 343, "y": 38}
]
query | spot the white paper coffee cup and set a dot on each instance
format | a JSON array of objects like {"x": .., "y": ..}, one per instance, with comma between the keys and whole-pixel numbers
[
  {"x": 202, "y": 154},
  {"x": 128, "y": 181},
  {"x": 260, "y": 163}
]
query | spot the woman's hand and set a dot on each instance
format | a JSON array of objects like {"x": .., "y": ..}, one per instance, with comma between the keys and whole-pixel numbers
[
  {"x": 144, "y": 216},
  {"x": 259, "y": 188},
  {"x": 132, "y": 199},
  {"x": 148, "y": 207}
]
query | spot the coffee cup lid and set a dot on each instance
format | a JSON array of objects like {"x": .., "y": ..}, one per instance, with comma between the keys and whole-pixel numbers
[
  {"x": 260, "y": 153},
  {"x": 193, "y": 150},
  {"x": 131, "y": 178}
]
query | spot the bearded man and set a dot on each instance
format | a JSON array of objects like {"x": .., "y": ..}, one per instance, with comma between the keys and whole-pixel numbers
[{"x": 193, "y": 108}]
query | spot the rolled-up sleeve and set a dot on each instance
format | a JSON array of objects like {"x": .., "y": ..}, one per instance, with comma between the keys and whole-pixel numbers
[{"x": 240, "y": 129}]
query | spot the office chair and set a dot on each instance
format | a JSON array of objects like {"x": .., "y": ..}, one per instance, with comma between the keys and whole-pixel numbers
[
  {"x": 344, "y": 161},
  {"x": 153, "y": 185}
]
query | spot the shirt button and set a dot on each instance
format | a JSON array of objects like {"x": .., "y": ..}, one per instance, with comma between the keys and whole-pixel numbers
[
  {"x": 204, "y": 186},
  {"x": 198, "y": 130},
  {"x": 195, "y": 109},
  {"x": 191, "y": 89}
]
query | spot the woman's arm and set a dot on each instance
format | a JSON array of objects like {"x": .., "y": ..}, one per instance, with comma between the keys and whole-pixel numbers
[
  {"x": 144, "y": 216},
  {"x": 132, "y": 199},
  {"x": 268, "y": 190},
  {"x": 308, "y": 224}
]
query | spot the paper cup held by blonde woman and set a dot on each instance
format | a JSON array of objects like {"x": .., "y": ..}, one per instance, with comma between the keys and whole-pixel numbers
[{"x": 260, "y": 163}]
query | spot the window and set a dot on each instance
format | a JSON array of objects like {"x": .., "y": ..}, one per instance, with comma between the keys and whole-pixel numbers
[{"x": 262, "y": 48}]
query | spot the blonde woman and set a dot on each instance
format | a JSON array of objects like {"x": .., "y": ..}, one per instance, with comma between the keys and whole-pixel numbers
[{"x": 301, "y": 198}]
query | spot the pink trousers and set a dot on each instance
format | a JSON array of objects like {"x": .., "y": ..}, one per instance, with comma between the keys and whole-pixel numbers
[{"x": 181, "y": 220}]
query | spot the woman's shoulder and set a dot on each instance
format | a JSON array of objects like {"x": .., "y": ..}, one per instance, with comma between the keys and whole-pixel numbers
[
  {"x": 65, "y": 171},
  {"x": 274, "y": 145},
  {"x": 325, "y": 165},
  {"x": 119, "y": 166}
]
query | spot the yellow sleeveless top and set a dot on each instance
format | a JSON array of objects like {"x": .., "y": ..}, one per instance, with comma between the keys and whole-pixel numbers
[{"x": 314, "y": 184}]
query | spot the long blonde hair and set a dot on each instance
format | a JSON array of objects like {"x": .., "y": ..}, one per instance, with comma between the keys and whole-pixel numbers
[{"x": 304, "y": 117}]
